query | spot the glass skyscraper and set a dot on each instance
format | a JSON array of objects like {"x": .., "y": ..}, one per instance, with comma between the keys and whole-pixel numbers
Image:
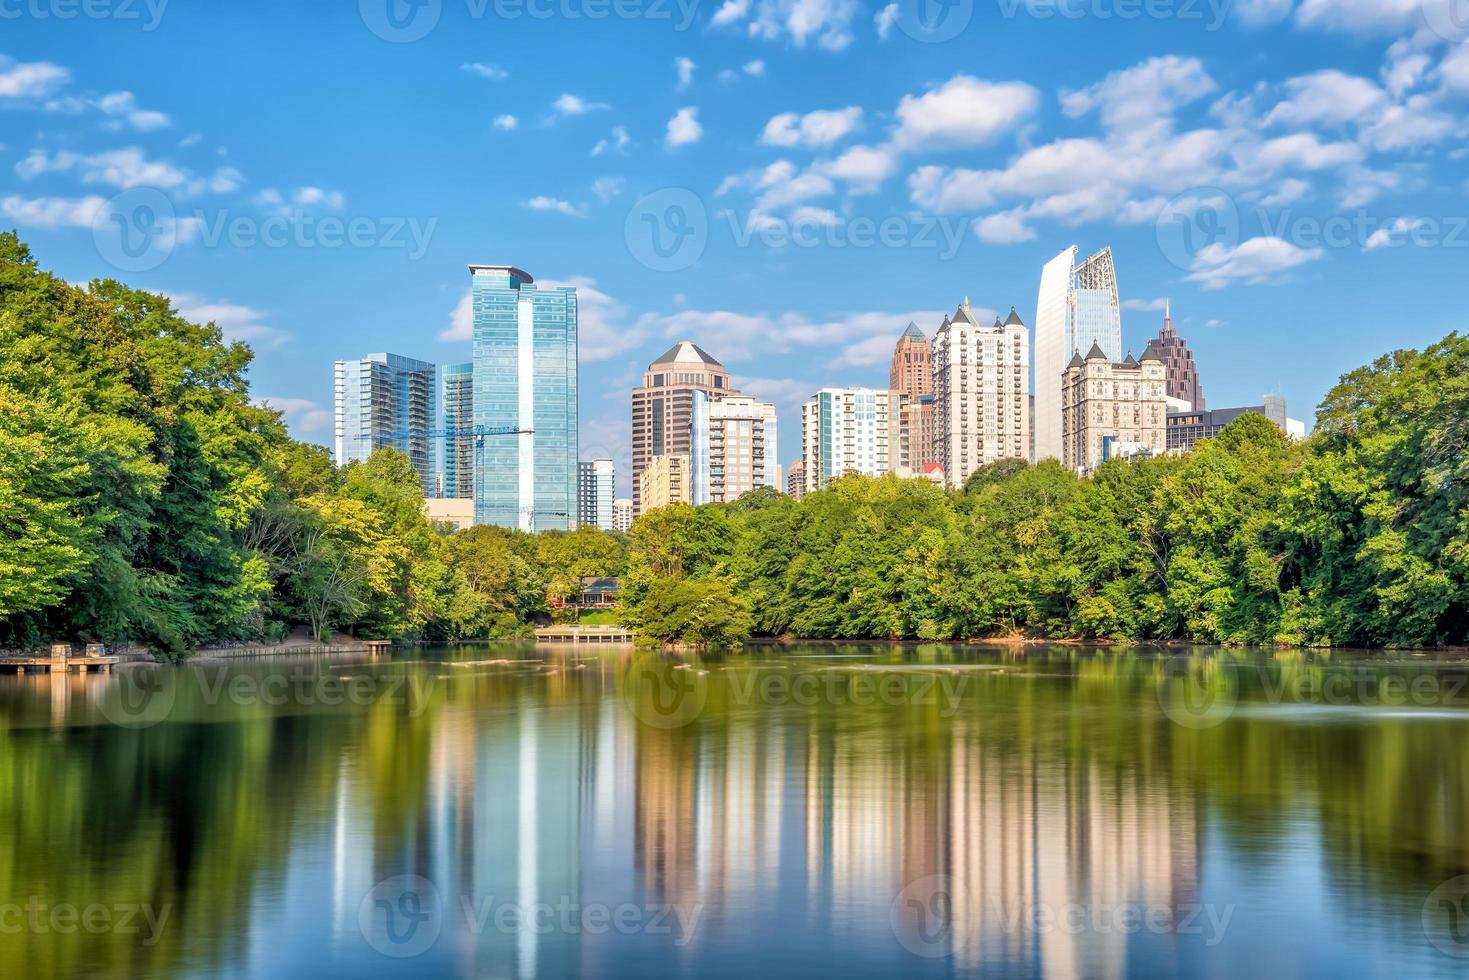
[
  {"x": 1078, "y": 306},
  {"x": 525, "y": 348},
  {"x": 455, "y": 445},
  {"x": 387, "y": 401}
]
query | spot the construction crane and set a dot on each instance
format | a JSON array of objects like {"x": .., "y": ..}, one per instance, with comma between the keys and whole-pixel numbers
[{"x": 478, "y": 433}]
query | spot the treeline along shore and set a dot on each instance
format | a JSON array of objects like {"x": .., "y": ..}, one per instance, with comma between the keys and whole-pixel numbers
[{"x": 145, "y": 498}]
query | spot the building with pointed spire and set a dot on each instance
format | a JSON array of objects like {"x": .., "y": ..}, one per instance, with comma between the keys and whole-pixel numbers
[
  {"x": 911, "y": 378},
  {"x": 981, "y": 393},
  {"x": 1183, "y": 373},
  {"x": 1113, "y": 410},
  {"x": 663, "y": 406},
  {"x": 1078, "y": 307}
]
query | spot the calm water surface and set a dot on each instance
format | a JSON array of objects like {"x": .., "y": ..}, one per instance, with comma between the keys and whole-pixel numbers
[{"x": 790, "y": 811}]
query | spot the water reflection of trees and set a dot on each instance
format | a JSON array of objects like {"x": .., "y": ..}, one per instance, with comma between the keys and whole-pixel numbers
[{"x": 1057, "y": 779}]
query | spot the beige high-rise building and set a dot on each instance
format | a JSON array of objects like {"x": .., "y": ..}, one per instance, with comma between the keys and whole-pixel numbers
[
  {"x": 734, "y": 449},
  {"x": 981, "y": 393},
  {"x": 911, "y": 376},
  {"x": 663, "y": 407},
  {"x": 622, "y": 514},
  {"x": 1112, "y": 411},
  {"x": 796, "y": 479},
  {"x": 664, "y": 481}
]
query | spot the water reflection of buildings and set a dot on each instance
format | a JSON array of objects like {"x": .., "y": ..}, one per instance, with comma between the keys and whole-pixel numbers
[{"x": 553, "y": 793}]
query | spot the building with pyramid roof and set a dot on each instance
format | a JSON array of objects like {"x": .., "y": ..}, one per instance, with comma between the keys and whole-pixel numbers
[
  {"x": 1111, "y": 409},
  {"x": 1183, "y": 372},
  {"x": 910, "y": 376},
  {"x": 663, "y": 406}
]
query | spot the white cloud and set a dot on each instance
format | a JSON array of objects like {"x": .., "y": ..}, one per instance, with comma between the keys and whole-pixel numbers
[
  {"x": 493, "y": 72},
  {"x": 301, "y": 199},
  {"x": 1258, "y": 260},
  {"x": 684, "y": 127},
  {"x": 1392, "y": 234},
  {"x": 123, "y": 107},
  {"x": 122, "y": 168},
  {"x": 964, "y": 111},
  {"x": 461, "y": 320},
  {"x": 827, "y": 23},
  {"x": 572, "y": 105},
  {"x": 33, "y": 80},
  {"x": 1142, "y": 94},
  {"x": 684, "y": 67},
  {"x": 506, "y": 122},
  {"x": 236, "y": 321},
  {"x": 863, "y": 168},
  {"x": 1361, "y": 16},
  {"x": 53, "y": 212},
  {"x": 754, "y": 68},
  {"x": 885, "y": 18},
  {"x": 618, "y": 142},
  {"x": 1005, "y": 228},
  {"x": 1455, "y": 69},
  {"x": 815, "y": 129},
  {"x": 1329, "y": 98},
  {"x": 608, "y": 188},
  {"x": 1289, "y": 191},
  {"x": 555, "y": 205}
]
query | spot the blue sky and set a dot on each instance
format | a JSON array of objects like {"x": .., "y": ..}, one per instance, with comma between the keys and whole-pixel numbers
[{"x": 1293, "y": 175}]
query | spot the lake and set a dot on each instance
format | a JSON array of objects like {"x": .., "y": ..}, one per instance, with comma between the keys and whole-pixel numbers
[{"x": 804, "y": 810}]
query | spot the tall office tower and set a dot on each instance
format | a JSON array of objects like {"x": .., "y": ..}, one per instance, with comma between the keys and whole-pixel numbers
[
  {"x": 796, "y": 479},
  {"x": 847, "y": 430},
  {"x": 911, "y": 372},
  {"x": 622, "y": 514},
  {"x": 732, "y": 448},
  {"x": 524, "y": 378},
  {"x": 387, "y": 401},
  {"x": 911, "y": 376},
  {"x": 455, "y": 445},
  {"x": 1113, "y": 410},
  {"x": 1183, "y": 373},
  {"x": 981, "y": 393},
  {"x": 1078, "y": 307},
  {"x": 663, "y": 407},
  {"x": 596, "y": 492},
  {"x": 664, "y": 482}
]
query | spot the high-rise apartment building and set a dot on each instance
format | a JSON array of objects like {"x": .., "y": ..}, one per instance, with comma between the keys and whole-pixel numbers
[
  {"x": 622, "y": 514},
  {"x": 596, "y": 493},
  {"x": 525, "y": 377},
  {"x": 733, "y": 448},
  {"x": 1183, "y": 373},
  {"x": 911, "y": 372},
  {"x": 847, "y": 430},
  {"x": 455, "y": 443},
  {"x": 981, "y": 393},
  {"x": 387, "y": 401},
  {"x": 1113, "y": 410},
  {"x": 796, "y": 479},
  {"x": 1078, "y": 307},
  {"x": 663, "y": 406},
  {"x": 664, "y": 482}
]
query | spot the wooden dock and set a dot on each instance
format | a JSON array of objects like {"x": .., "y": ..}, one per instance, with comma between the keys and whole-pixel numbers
[
  {"x": 61, "y": 660},
  {"x": 579, "y": 635}
]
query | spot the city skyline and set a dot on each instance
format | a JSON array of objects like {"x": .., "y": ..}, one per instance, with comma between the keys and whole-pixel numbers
[{"x": 1095, "y": 131}]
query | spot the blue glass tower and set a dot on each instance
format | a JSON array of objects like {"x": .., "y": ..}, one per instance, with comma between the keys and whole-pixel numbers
[
  {"x": 455, "y": 451},
  {"x": 386, "y": 401},
  {"x": 525, "y": 378}
]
